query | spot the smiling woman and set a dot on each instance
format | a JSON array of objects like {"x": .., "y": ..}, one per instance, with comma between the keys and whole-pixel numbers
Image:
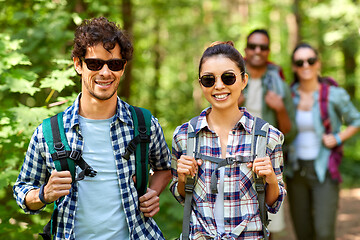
[
  {"x": 224, "y": 131},
  {"x": 321, "y": 110}
]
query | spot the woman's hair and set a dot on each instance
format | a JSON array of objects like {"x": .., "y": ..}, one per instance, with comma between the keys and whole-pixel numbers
[
  {"x": 297, "y": 47},
  {"x": 101, "y": 31},
  {"x": 225, "y": 49}
]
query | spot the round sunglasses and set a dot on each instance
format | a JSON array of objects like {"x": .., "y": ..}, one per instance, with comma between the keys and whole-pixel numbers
[
  {"x": 208, "y": 80},
  {"x": 311, "y": 61},
  {"x": 96, "y": 64}
]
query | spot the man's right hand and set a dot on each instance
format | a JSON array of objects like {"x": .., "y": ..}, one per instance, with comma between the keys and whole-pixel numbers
[{"x": 59, "y": 185}]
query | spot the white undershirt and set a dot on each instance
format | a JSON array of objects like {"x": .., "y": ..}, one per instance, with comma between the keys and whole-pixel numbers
[
  {"x": 219, "y": 203},
  {"x": 307, "y": 142},
  {"x": 254, "y": 97}
]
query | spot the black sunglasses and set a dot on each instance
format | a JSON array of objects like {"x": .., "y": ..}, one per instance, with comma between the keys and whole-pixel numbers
[
  {"x": 253, "y": 46},
  {"x": 310, "y": 61},
  {"x": 208, "y": 80},
  {"x": 96, "y": 64}
]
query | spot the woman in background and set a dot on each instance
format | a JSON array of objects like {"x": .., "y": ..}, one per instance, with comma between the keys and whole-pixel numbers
[{"x": 321, "y": 109}]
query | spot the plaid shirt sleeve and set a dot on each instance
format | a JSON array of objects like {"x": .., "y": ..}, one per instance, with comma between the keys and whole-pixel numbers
[
  {"x": 275, "y": 153},
  {"x": 33, "y": 170},
  {"x": 179, "y": 138},
  {"x": 159, "y": 152}
]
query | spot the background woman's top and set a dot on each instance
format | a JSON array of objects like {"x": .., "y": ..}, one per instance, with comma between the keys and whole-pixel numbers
[{"x": 340, "y": 110}]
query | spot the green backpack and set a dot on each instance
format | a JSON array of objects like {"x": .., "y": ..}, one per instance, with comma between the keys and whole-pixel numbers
[{"x": 66, "y": 159}]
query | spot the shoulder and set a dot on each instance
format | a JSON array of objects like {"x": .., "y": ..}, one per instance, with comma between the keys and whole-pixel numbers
[
  {"x": 275, "y": 69},
  {"x": 275, "y": 137}
]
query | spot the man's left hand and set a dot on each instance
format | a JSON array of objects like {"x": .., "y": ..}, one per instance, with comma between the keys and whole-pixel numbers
[
  {"x": 150, "y": 203},
  {"x": 274, "y": 101}
]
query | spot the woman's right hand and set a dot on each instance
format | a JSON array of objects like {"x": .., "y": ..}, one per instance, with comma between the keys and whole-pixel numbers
[{"x": 187, "y": 166}]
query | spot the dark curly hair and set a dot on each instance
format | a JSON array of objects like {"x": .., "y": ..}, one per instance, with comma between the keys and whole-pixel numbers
[{"x": 101, "y": 30}]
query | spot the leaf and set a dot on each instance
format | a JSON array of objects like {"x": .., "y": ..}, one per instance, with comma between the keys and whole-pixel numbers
[
  {"x": 59, "y": 79},
  {"x": 21, "y": 81}
]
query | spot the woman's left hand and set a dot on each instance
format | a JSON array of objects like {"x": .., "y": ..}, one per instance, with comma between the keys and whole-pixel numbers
[
  {"x": 263, "y": 167},
  {"x": 329, "y": 140}
]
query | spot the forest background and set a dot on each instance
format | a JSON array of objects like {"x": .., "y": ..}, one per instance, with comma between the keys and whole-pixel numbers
[{"x": 37, "y": 78}]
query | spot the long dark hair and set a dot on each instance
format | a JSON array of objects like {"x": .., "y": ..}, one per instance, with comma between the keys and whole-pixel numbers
[
  {"x": 226, "y": 49},
  {"x": 298, "y": 46}
]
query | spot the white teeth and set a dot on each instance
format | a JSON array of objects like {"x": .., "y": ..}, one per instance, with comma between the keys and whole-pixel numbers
[
  {"x": 222, "y": 96},
  {"x": 103, "y": 84}
]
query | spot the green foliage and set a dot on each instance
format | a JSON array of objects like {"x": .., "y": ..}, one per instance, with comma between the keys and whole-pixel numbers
[{"x": 169, "y": 38}]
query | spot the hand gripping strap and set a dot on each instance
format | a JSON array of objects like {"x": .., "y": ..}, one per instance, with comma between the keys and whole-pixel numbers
[
  {"x": 190, "y": 181},
  {"x": 54, "y": 134},
  {"x": 258, "y": 149},
  {"x": 142, "y": 123}
]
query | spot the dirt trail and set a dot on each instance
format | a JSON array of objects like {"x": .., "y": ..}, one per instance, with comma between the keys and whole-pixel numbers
[{"x": 348, "y": 220}]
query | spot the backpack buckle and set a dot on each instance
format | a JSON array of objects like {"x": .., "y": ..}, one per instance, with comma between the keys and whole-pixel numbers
[
  {"x": 189, "y": 184},
  {"x": 90, "y": 172},
  {"x": 61, "y": 154},
  {"x": 143, "y": 136},
  {"x": 229, "y": 160},
  {"x": 74, "y": 155},
  {"x": 58, "y": 146}
]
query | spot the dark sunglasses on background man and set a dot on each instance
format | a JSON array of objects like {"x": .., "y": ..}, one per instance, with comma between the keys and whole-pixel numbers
[
  {"x": 208, "y": 80},
  {"x": 253, "y": 46},
  {"x": 96, "y": 64},
  {"x": 310, "y": 61}
]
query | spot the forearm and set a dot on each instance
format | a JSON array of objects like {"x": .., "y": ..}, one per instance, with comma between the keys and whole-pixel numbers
[
  {"x": 284, "y": 122},
  {"x": 272, "y": 194},
  {"x": 159, "y": 180},
  {"x": 348, "y": 133}
]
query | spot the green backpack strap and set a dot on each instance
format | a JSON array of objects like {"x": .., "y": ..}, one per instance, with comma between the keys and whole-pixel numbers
[
  {"x": 140, "y": 145},
  {"x": 54, "y": 134},
  {"x": 64, "y": 159}
]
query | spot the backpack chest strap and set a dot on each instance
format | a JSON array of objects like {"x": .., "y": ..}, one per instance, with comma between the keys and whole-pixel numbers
[{"x": 221, "y": 162}]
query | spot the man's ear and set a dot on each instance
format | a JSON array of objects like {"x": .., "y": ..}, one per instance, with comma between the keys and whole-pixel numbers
[{"x": 77, "y": 65}]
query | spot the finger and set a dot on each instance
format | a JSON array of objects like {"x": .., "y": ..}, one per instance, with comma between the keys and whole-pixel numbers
[
  {"x": 152, "y": 213},
  {"x": 150, "y": 202},
  {"x": 150, "y": 193},
  {"x": 186, "y": 169},
  {"x": 61, "y": 173}
]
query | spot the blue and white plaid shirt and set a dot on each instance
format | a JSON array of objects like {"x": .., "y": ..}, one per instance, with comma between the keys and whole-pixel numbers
[
  {"x": 241, "y": 208},
  {"x": 38, "y": 160}
]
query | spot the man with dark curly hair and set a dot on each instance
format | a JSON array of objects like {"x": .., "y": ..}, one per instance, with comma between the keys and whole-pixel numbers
[{"x": 98, "y": 124}]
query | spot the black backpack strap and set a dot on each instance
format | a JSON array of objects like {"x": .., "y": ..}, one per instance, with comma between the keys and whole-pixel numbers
[
  {"x": 64, "y": 159},
  {"x": 140, "y": 145}
]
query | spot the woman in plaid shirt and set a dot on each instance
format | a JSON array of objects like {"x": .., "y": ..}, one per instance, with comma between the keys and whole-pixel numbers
[{"x": 225, "y": 130}]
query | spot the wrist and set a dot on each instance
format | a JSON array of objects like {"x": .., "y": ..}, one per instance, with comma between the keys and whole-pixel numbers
[
  {"x": 338, "y": 139},
  {"x": 42, "y": 195}
]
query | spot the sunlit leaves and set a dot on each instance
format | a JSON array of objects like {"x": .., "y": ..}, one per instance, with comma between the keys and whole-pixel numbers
[{"x": 59, "y": 79}]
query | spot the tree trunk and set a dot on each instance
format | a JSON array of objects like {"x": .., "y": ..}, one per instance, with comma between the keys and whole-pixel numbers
[
  {"x": 128, "y": 19},
  {"x": 349, "y": 51}
]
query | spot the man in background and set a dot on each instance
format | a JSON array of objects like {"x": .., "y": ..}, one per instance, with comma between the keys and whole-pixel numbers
[{"x": 268, "y": 96}]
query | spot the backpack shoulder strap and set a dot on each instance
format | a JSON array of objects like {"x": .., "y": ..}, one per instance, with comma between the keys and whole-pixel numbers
[
  {"x": 258, "y": 149},
  {"x": 323, "y": 100},
  {"x": 190, "y": 181},
  {"x": 140, "y": 145},
  {"x": 55, "y": 138}
]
